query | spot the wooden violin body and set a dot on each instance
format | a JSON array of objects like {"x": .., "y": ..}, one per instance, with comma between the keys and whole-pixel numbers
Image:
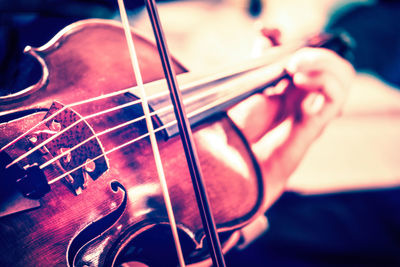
[{"x": 120, "y": 214}]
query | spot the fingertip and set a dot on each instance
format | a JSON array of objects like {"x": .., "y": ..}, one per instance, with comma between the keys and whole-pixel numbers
[
  {"x": 313, "y": 104},
  {"x": 306, "y": 82},
  {"x": 292, "y": 66},
  {"x": 300, "y": 60},
  {"x": 300, "y": 79}
]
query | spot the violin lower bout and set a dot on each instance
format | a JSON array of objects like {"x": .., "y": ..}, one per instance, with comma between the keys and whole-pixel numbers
[{"x": 42, "y": 237}]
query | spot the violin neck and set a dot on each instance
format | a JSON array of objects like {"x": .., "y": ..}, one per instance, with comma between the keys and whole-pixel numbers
[{"x": 208, "y": 95}]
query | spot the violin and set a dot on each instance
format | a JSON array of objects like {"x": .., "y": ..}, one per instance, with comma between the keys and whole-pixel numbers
[{"x": 89, "y": 193}]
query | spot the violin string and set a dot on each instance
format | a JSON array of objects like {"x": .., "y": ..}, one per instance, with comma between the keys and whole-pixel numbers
[
  {"x": 96, "y": 135},
  {"x": 69, "y": 126},
  {"x": 86, "y": 101},
  {"x": 155, "y": 96},
  {"x": 188, "y": 100},
  {"x": 66, "y": 129},
  {"x": 210, "y": 105},
  {"x": 167, "y": 125},
  {"x": 30, "y": 130},
  {"x": 153, "y": 140},
  {"x": 130, "y": 142},
  {"x": 127, "y": 90},
  {"x": 171, "y": 123}
]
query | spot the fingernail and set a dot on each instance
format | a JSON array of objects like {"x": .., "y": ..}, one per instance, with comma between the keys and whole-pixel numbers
[
  {"x": 314, "y": 103},
  {"x": 300, "y": 78}
]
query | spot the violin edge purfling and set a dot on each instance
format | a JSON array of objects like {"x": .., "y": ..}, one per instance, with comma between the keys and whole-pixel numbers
[{"x": 33, "y": 229}]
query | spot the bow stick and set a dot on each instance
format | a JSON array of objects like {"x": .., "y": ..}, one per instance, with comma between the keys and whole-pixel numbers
[
  {"x": 187, "y": 138},
  {"x": 149, "y": 124}
]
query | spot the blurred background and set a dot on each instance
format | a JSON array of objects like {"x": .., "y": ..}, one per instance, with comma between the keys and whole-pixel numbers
[{"x": 342, "y": 203}]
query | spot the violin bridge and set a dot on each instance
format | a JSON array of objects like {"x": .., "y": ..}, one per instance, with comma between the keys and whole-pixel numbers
[{"x": 79, "y": 152}]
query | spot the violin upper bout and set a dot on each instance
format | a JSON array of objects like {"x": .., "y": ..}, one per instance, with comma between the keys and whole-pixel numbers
[
  {"x": 13, "y": 97},
  {"x": 73, "y": 60}
]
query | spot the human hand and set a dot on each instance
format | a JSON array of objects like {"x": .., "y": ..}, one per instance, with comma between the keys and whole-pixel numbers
[{"x": 281, "y": 123}]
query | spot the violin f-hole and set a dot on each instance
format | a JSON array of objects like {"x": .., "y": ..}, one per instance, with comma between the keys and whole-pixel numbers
[{"x": 96, "y": 228}]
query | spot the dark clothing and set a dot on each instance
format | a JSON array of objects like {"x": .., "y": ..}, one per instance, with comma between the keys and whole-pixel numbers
[
  {"x": 346, "y": 229},
  {"x": 376, "y": 32}
]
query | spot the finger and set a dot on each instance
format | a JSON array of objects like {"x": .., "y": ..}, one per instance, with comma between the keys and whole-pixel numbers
[
  {"x": 312, "y": 104},
  {"x": 318, "y": 111},
  {"x": 267, "y": 145},
  {"x": 326, "y": 83},
  {"x": 255, "y": 115},
  {"x": 320, "y": 60}
]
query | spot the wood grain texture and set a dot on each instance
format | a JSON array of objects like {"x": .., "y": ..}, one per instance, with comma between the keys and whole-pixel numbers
[{"x": 91, "y": 61}]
